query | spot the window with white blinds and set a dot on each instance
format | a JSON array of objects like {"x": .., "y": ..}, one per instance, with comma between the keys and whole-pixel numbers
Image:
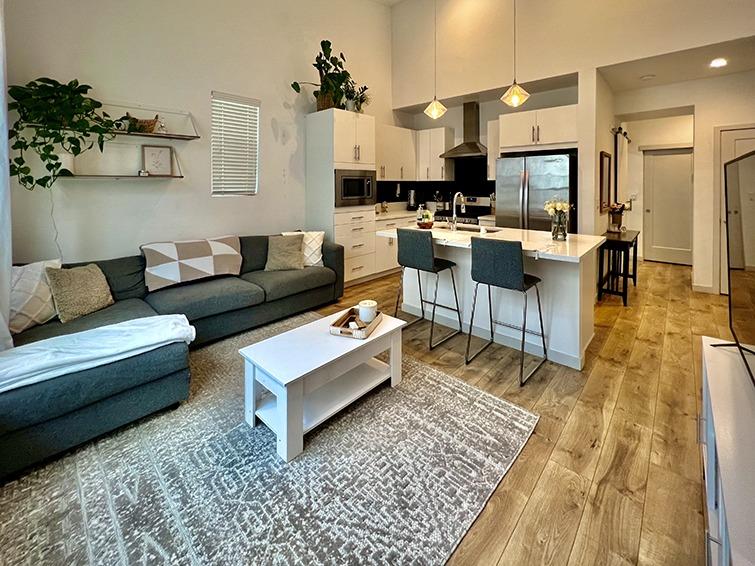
[{"x": 235, "y": 144}]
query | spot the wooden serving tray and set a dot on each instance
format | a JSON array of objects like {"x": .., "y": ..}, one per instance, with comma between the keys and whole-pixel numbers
[{"x": 340, "y": 326}]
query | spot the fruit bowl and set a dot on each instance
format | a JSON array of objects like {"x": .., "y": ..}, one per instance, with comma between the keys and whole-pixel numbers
[{"x": 424, "y": 225}]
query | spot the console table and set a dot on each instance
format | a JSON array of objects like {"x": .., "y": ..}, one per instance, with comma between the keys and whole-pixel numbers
[
  {"x": 615, "y": 253},
  {"x": 726, "y": 434}
]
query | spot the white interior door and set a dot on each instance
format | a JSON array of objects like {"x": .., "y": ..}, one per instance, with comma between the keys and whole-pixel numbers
[
  {"x": 667, "y": 222},
  {"x": 733, "y": 144}
]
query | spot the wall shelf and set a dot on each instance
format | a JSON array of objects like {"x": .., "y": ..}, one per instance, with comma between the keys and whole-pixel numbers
[
  {"x": 93, "y": 176},
  {"x": 165, "y": 136}
]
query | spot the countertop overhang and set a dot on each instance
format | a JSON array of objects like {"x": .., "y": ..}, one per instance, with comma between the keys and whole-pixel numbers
[{"x": 535, "y": 243}]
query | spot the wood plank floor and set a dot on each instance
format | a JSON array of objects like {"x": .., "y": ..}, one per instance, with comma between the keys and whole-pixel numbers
[{"x": 612, "y": 474}]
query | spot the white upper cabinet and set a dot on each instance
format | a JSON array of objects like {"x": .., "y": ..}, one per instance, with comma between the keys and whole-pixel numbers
[
  {"x": 365, "y": 139},
  {"x": 494, "y": 147},
  {"x": 396, "y": 154},
  {"x": 430, "y": 145},
  {"x": 547, "y": 127},
  {"x": 557, "y": 125},
  {"x": 353, "y": 138}
]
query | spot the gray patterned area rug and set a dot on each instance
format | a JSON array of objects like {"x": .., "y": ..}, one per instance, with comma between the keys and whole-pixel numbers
[{"x": 399, "y": 477}]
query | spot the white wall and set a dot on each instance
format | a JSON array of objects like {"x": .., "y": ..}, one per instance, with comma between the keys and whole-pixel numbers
[
  {"x": 555, "y": 37},
  {"x": 670, "y": 132},
  {"x": 605, "y": 121},
  {"x": 5, "y": 223},
  {"x": 171, "y": 54},
  {"x": 722, "y": 101}
]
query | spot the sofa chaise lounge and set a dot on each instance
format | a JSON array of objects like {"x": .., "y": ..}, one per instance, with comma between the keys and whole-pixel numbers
[{"x": 43, "y": 419}]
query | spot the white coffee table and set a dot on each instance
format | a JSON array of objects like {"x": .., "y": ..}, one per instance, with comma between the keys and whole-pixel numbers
[{"x": 312, "y": 375}]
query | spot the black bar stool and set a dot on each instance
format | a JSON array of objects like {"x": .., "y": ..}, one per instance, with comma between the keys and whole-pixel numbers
[
  {"x": 500, "y": 263},
  {"x": 415, "y": 250}
]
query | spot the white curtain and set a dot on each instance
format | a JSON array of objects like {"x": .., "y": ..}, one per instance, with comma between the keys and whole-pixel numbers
[{"x": 5, "y": 236}]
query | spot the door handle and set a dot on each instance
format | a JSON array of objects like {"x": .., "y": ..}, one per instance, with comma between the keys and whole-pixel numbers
[
  {"x": 359, "y": 153},
  {"x": 442, "y": 172},
  {"x": 428, "y": 173},
  {"x": 532, "y": 136},
  {"x": 538, "y": 133},
  {"x": 647, "y": 210},
  {"x": 355, "y": 153},
  {"x": 402, "y": 171}
]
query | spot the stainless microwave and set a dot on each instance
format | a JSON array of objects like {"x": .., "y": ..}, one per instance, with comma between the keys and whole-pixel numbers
[{"x": 354, "y": 188}]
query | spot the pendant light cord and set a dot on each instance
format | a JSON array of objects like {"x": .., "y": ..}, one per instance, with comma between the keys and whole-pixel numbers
[
  {"x": 515, "y": 41},
  {"x": 435, "y": 49}
]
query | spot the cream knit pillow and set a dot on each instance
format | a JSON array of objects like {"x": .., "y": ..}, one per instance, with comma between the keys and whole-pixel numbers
[
  {"x": 312, "y": 246},
  {"x": 30, "y": 296}
]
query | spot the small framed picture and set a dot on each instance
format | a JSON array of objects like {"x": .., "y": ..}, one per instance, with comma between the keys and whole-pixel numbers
[{"x": 157, "y": 160}]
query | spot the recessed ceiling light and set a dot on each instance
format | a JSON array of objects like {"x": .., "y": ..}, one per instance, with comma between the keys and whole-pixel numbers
[
  {"x": 718, "y": 62},
  {"x": 647, "y": 77}
]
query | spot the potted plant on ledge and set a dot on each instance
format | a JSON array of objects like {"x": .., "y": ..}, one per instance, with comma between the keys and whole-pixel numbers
[{"x": 336, "y": 88}]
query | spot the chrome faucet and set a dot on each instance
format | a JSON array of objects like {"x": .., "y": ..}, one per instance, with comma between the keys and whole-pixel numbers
[{"x": 463, "y": 209}]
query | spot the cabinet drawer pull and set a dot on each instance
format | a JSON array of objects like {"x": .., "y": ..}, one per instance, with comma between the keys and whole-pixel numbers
[
  {"x": 357, "y": 268},
  {"x": 532, "y": 136},
  {"x": 357, "y": 217},
  {"x": 428, "y": 173},
  {"x": 391, "y": 224},
  {"x": 357, "y": 229},
  {"x": 357, "y": 246},
  {"x": 402, "y": 171},
  {"x": 442, "y": 172}
]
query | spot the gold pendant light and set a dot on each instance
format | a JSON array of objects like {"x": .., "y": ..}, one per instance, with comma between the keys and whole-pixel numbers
[
  {"x": 515, "y": 95},
  {"x": 435, "y": 109}
]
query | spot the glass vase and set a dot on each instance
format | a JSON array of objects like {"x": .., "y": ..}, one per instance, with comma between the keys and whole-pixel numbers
[{"x": 558, "y": 226}]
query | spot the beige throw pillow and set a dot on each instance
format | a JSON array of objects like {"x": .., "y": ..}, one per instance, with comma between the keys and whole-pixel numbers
[
  {"x": 30, "y": 296},
  {"x": 78, "y": 291},
  {"x": 170, "y": 263},
  {"x": 285, "y": 252},
  {"x": 311, "y": 247}
]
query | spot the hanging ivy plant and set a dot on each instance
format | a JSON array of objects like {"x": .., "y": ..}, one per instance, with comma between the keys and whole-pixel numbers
[{"x": 54, "y": 116}]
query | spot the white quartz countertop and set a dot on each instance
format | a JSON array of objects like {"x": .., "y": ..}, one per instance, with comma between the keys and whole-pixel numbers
[
  {"x": 535, "y": 243},
  {"x": 395, "y": 215}
]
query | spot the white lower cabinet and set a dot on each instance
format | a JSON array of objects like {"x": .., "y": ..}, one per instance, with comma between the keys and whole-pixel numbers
[
  {"x": 359, "y": 266},
  {"x": 386, "y": 254},
  {"x": 364, "y": 252}
]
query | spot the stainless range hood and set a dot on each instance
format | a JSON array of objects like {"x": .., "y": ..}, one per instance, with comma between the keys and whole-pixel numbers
[{"x": 471, "y": 146}]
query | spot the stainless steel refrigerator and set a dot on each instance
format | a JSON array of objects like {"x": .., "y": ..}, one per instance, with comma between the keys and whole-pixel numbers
[{"x": 524, "y": 181}]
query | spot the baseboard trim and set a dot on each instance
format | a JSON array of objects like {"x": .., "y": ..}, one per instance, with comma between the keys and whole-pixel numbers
[
  {"x": 372, "y": 277},
  {"x": 705, "y": 289}
]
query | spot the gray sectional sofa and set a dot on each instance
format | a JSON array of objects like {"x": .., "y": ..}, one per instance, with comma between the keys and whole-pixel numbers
[{"x": 40, "y": 420}]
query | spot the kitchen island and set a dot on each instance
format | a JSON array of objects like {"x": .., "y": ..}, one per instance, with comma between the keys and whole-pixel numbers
[{"x": 569, "y": 279}]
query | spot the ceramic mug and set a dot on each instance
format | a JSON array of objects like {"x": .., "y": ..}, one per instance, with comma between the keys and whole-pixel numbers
[{"x": 367, "y": 310}]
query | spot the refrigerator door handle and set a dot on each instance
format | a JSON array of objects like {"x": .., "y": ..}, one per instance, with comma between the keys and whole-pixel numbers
[
  {"x": 522, "y": 217},
  {"x": 526, "y": 198}
]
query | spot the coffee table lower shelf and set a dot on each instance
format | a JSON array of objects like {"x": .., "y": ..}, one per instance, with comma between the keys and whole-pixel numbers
[{"x": 326, "y": 401}]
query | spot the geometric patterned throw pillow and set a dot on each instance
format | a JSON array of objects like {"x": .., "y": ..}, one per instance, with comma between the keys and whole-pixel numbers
[
  {"x": 30, "y": 296},
  {"x": 312, "y": 246},
  {"x": 170, "y": 263}
]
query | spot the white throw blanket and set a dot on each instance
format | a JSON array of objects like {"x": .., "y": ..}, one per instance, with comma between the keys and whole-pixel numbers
[{"x": 70, "y": 353}]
